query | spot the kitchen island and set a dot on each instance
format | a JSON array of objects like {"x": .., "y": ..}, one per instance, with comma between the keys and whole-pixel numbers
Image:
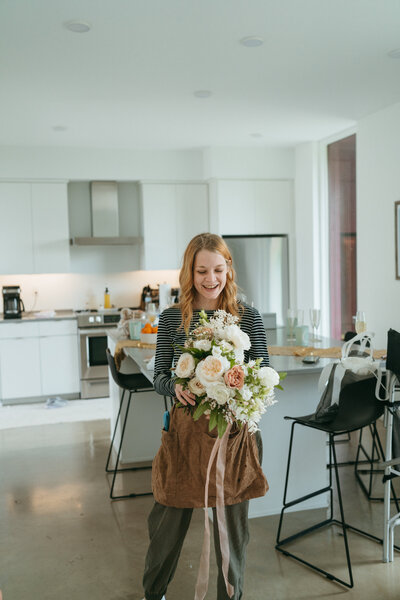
[{"x": 300, "y": 397}]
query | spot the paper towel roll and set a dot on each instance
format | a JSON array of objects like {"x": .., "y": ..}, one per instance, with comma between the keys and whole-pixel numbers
[{"x": 164, "y": 297}]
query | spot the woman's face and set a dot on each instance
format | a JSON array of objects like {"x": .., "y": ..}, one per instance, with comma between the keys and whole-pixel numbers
[{"x": 209, "y": 278}]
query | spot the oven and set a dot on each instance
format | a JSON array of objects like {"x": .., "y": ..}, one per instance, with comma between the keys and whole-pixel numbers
[{"x": 93, "y": 367}]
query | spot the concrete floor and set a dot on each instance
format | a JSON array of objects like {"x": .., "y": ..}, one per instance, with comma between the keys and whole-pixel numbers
[{"x": 62, "y": 539}]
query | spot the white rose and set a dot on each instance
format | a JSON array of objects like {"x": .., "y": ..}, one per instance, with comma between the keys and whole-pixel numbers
[
  {"x": 185, "y": 366},
  {"x": 216, "y": 351},
  {"x": 202, "y": 345},
  {"x": 196, "y": 387},
  {"x": 211, "y": 369},
  {"x": 219, "y": 392},
  {"x": 268, "y": 377},
  {"x": 240, "y": 339}
]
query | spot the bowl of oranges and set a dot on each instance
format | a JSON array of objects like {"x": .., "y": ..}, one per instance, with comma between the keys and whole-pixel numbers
[{"x": 148, "y": 335}]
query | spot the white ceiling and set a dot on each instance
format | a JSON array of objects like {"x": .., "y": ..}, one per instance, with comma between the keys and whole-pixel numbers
[{"x": 129, "y": 81}]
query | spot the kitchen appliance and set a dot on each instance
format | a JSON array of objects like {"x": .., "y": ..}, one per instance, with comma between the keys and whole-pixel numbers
[
  {"x": 261, "y": 263},
  {"x": 13, "y": 307},
  {"x": 92, "y": 339},
  {"x": 148, "y": 295}
]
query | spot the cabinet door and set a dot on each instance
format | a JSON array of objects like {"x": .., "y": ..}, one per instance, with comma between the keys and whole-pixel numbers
[
  {"x": 191, "y": 214},
  {"x": 159, "y": 226},
  {"x": 59, "y": 364},
  {"x": 16, "y": 254},
  {"x": 172, "y": 215},
  {"x": 20, "y": 368},
  {"x": 50, "y": 227},
  {"x": 255, "y": 207}
]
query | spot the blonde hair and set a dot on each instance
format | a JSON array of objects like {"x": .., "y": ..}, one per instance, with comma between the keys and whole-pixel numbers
[{"x": 227, "y": 299}]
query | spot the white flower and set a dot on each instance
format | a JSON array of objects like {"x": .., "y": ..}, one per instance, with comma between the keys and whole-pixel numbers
[
  {"x": 239, "y": 355},
  {"x": 211, "y": 369},
  {"x": 240, "y": 339},
  {"x": 196, "y": 387},
  {"x": 268, "y": 377},
  {"x": 225, "y": 346},
  {"x": 185, "y": 366},
  {"x": 218, "y": 392},
  {"x": 202, "y": 345},
  {"x": 245, "y": 392}
]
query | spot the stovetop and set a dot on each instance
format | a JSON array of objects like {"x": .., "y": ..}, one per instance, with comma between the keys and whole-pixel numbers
[{"x": 93, "y": 317}]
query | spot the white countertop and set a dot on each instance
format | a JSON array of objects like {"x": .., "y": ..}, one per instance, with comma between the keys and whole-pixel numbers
[
  {"x": 35, "y": 316},
  {"x": 292, "y": 365}
]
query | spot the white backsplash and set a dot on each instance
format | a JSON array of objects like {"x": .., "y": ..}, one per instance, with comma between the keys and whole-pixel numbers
[{"x": 78, "y": 291}]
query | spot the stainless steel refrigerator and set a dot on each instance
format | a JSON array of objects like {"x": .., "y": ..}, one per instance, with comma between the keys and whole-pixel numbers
[{"x": 262, "y": 269}]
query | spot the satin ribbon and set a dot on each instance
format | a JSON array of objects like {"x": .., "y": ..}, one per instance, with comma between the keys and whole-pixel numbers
[{"x": 219, "y": 450}]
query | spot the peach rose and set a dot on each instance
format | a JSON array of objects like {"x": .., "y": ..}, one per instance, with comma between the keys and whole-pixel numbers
[{"x": 234, "y": 378}]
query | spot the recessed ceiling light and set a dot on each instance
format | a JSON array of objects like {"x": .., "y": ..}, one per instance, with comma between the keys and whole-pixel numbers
[
  {"x": 59, "y": 128},
  {"x": 78, "y": 26},
  {"x": 252, "y": 41},
  {"x": 394, "y": 53},
  {"x": 256, "y": 135},
  {"x": 202, "y": 93}
]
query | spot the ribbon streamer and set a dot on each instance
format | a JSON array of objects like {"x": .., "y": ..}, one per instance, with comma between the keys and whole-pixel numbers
[{"x": 219, "y": 450}]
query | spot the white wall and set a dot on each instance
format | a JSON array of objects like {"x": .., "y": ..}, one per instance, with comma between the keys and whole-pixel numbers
[
  {"x": 92, "y": 163},
  {"x": 60, "y": 291},
  {"x": 378, "y": 187},
  {"x": 307, "y": 226},
  {"x": 249, "y": 163}
]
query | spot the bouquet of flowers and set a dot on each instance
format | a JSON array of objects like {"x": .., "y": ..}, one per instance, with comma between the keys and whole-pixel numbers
[{"x": 212, "y": 367}]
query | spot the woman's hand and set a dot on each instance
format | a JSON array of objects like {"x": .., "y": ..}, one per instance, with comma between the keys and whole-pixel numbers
[{"x": 184, "y": 396}]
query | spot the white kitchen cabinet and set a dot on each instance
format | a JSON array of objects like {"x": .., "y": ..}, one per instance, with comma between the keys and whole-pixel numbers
[
  {"x": 50, "y": 228},
  {"x": 172, "y": 214},
  {"x": 255, "y": 207},
  {"x": 59, "y": 364},
  {"x": 20, "y": 368},
  {"x": 38, "y": 359},
  {"x": 34, "y": 234},
  {"x": 16, "y": 238}
]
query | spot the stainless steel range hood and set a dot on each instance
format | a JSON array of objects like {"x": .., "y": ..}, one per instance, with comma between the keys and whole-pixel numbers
[{"x": 105, "y": 218}]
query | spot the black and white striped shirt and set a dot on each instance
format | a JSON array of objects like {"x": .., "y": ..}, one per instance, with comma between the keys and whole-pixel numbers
[{"x": 169, "y": 336}]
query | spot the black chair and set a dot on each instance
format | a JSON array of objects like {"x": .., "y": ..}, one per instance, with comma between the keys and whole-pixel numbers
[
  {"x": 132, "y": 383},
  {"x": 358, "y": 408}
]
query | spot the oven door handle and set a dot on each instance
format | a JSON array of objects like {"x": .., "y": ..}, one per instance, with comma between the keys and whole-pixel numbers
[{"x": 94, "y": 331}]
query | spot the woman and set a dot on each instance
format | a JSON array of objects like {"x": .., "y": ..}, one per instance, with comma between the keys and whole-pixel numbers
[{"x": 207, "y": 281}]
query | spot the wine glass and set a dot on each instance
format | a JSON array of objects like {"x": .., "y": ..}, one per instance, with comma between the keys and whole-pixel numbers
[
  {"x": 315, "y": 319},
  {"x": 291, "y": 322},
  {"x": 361, "y": 323}
]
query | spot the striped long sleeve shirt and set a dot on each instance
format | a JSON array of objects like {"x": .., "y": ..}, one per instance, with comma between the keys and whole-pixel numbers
[{"x": 170, "y": 336}]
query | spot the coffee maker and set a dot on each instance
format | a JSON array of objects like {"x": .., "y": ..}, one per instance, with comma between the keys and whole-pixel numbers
[{"x": 12, "y": 303}]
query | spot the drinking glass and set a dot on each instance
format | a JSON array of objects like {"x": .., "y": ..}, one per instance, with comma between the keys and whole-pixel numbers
[
  {"x": 361, "y": 323},
  {"x": 151, "y": 312},
  {"x": 315, "y": 319},
  {"x": 291, "y": 322}
]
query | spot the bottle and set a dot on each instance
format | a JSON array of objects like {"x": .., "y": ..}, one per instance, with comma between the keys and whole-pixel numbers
[{"x": 107, "y": 303}]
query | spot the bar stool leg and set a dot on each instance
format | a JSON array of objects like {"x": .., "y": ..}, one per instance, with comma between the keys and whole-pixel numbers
[
  {"x": 133, "y": 495},
  {"x": 113, "y": 436}
]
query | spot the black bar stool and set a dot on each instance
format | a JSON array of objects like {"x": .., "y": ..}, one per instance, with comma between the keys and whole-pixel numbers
[
  {"x": 132, "y": 383},
  {"x": 358, "y": 407}
]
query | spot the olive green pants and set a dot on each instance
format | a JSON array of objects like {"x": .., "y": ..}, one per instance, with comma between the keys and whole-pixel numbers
[{"x": 167, "y": 531}]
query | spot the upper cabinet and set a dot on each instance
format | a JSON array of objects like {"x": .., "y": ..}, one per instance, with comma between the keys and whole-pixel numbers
[
  {"x": 255, "y": 207},
  {"x": 172, "y": 214},
  {"x": 34, "y": 228},
  {"x": 50, "y": 227},
  {"x": 16, "y": 238}
]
